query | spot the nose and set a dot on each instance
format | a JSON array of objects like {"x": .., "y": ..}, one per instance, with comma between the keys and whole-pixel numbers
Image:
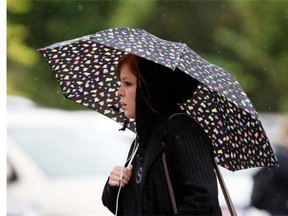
[{"x": 120, "y": 92}]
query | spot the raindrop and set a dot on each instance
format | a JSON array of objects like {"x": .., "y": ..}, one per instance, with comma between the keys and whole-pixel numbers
[{"x": 80, "y": 7}]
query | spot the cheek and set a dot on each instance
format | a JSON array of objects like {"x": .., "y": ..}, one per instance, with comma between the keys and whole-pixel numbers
[
  {"x": 133, "y": 98},
  {"x": 134, "y": 95}
]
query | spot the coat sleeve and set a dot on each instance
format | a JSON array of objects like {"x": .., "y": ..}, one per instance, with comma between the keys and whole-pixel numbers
[
  {"x": 109, "y": 199},
  {"x": 109, "y": 195},
  {"x": 192, "y": 173},
  {"x": 262, "y": 189}
]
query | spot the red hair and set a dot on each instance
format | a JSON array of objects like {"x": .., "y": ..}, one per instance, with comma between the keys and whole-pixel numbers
[{"x": 132, "y": 61}]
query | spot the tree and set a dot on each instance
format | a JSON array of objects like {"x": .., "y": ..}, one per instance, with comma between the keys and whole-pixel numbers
[
  {"x": 248, "y": 38},
  {"x": 258, "y": 50},
  {"x": 35, "y": 24}
]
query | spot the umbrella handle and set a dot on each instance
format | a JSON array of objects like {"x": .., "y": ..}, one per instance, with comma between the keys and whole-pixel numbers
[{"x": 225, "y": 192}]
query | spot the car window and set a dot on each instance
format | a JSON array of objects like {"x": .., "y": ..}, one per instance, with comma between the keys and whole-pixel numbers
[{"x": 71, "y": 151}]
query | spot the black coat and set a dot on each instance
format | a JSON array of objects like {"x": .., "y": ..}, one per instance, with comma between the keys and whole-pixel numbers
[
  {"x": 270, "y": 189},
  {"x": 191, "y": 167}
]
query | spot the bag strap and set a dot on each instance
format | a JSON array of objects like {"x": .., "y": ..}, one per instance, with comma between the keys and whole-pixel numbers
[
  {"x": 227, "y": 197},
  {"x": 168, "y": 180}
]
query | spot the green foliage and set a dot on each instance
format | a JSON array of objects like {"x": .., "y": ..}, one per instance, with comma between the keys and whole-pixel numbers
[
  {"x": 35, "y": 24},
  {"x": 259, "y": 47},
  {"x": 247, "y": 38},
  {"x": 21, "y": 7},
  {"x": 131, "y": 13}
]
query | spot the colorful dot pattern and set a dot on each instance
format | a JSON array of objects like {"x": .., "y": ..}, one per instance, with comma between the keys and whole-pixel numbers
[
  {"x": 141, "y": 43},
  {"x": 238, "y": 137},
  {"x": 215, "y": 78},
  {"x": 85, "y": 70}
]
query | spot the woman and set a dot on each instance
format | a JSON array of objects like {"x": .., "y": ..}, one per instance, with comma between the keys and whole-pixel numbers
[{"x": 149, "y": 93}]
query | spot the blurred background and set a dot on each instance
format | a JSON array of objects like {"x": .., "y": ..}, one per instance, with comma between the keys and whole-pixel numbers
[{"x": 57, "y": 148}]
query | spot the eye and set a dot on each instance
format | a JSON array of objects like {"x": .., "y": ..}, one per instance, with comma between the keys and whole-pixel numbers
[{"x": 127, "y": 83}]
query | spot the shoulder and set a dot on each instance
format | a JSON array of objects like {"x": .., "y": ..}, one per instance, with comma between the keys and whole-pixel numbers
[
  {"x": 184, "y": 124},
  {"x": 182, "y": 119},
  {"x": 185, "y": 134}
]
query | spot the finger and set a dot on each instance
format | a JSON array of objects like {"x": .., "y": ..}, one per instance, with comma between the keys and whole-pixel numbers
[
  {"x": 113, "y": 178},
  {"x": 113, "y": 183},
  {"x": 126, "y": 173},
  {"x": 116, "y": 172},
  {"x": 123, "y": 182},
  {"x": 121, "y": 174},
  {"x": 117, "y": 182}
]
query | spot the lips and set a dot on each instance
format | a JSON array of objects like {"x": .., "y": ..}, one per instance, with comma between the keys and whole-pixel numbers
[{"x": 124, "y": 105}]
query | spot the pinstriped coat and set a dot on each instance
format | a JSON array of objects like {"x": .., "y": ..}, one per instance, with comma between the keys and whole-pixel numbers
[{"x": 191, "y": 168}]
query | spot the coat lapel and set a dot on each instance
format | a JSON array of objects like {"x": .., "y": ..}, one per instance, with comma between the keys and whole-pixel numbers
[{"x": 155, "y": 145}]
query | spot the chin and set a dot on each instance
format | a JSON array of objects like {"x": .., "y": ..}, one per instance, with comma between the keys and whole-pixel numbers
[{"x": 129, "y": 116}]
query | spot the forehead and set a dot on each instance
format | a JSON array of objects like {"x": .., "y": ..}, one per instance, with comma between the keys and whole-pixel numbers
[{"x": 126, "y": 72}]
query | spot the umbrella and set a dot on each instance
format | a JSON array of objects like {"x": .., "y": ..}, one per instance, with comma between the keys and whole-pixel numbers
[{"x": 85, "y": 66}]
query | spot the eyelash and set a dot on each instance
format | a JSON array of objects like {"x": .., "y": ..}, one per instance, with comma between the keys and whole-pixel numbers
[{"x": 127, "y": 83}]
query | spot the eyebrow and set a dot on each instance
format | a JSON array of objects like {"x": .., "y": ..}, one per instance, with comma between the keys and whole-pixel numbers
[
  {"x": 126, "y": 78},
  {"x": 123, "y": 79}
]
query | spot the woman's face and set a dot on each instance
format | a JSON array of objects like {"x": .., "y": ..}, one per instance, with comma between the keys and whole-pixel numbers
[{"x": 127, "y": 91}]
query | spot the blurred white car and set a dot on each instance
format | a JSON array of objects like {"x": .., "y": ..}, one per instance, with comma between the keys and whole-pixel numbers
[{"x": 58, "y": 161}]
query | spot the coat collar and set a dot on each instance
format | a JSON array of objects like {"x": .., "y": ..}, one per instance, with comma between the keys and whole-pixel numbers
[{"x": 156, "y": 144}]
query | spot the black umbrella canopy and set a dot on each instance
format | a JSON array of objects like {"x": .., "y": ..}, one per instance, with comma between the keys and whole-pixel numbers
[{"x": 85, "y": 70}]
